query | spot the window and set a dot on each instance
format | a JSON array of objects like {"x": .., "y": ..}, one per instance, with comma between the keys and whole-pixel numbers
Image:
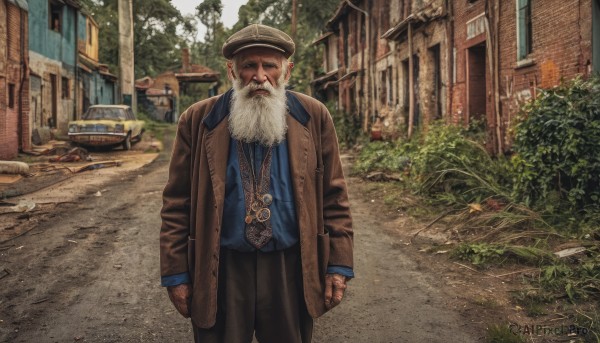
[
  {"x": 524, "y": 32},
  {"x": 65, "y": 88},
  {"x": 55, "y": 12},
  {"x": 11, "y": 95},
  {"x": 89, "y": 33}
]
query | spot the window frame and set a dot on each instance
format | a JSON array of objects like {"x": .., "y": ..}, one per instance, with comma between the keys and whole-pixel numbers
[{"x": 524, "y": 29}]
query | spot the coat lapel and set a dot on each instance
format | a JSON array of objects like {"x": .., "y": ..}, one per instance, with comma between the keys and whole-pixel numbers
[
  {"x": 217, "y": 146},
  {"x": 298, "y": 140}
]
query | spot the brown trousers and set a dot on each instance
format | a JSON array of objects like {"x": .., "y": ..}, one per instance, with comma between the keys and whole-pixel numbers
[{"x": 259, "y": 294}]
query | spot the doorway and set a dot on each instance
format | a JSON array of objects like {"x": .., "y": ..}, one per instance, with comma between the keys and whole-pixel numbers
[
  {"x": 476, "y": 83},
  {"x": 54, "y": 101}
]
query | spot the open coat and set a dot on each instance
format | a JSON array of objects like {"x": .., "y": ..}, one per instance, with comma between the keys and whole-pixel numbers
[{"x": 194, "y": 195}]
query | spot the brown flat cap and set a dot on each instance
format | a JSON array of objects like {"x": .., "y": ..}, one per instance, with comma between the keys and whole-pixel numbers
[{"x": 258, "y": 36}]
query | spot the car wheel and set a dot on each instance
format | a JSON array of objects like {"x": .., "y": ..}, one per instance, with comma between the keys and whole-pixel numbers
[{"x": 127, "y": 142}]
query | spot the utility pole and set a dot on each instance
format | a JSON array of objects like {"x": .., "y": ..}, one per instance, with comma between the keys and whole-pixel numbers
[
  {"x": 294, "y": 20},
  {"x": 126, "y": 54}
]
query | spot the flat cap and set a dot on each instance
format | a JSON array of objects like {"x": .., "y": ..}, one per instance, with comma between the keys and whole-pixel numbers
[{"x": 257, "y": 36}]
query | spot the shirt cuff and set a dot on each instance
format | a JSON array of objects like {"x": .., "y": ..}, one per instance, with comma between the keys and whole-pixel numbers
[
  {"x": 174, "y": 280},
  {"x": 342, "y": 270}
]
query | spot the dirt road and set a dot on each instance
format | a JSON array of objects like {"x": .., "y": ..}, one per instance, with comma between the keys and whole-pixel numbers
[{"x": 89, "y": 273}]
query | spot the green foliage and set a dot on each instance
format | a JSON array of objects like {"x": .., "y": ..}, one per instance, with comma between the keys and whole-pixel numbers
[
  {"x": 557, "y": 144},
  {"x": 156, "y": 40},
  {"x": 383, "y": 156},
  {"x": 449, "y": 162},
  {"x": 577, "y": 281},
  {"x": 479, "y": 253},
  {"x": 347, "y": 126},
  {"x": 503, "y": 334}
]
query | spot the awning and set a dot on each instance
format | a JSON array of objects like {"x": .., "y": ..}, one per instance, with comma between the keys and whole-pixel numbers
[
  {"x": 324, "y": 78},
  {"x": 426, "y": 15},
  {"x": 197, "y": 77},
  {"x": 397, "y": 30},
  {"x": 348, "y": 75},
  {"x": 322, "y": 38}
]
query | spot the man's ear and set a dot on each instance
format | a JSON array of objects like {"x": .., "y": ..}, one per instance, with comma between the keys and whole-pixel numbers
[
  {"x": 230, "y": 73},
  {"x": 289, "y": 70}
]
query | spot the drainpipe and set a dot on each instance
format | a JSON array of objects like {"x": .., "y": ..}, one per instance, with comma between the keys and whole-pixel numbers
[
  {"x": 76, "y": 79},
  {"x": 450, "y": 51},
  {"x": 370, "y": 68},
  {"x": 411, "y": 80},
  {"x": 24, "y": 71},
  {"x": 497, "y": 76},
  {"x": 492, "y": 52}
]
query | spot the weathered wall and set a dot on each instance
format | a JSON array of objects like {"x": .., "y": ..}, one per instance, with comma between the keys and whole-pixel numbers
[
  {"x": 562, "y": 36},
  {"x": 14, "y": 81},
  {"x": 425, "y": 39}
]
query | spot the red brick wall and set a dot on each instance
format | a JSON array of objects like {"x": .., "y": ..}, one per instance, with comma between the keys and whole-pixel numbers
[
  {"x": 12, "y": 74},
  {"x": 561, "y": 34}
]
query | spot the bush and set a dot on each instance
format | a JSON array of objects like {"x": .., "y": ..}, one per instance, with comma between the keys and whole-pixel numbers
[
  {"x": 347, "y": 126},
  {"x": 448, "y": 161},
  {"x": 384, "y": 156},
  {"x": 557, "y": 145}
]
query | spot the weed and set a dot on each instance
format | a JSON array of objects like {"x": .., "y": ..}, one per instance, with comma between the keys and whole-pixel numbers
[
  {"x": 479, "y": 253},
  {"x": 503, "y": 334}
]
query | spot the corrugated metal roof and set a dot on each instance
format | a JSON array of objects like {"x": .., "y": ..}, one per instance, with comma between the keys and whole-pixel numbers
[{"x": 21, "y": 4}]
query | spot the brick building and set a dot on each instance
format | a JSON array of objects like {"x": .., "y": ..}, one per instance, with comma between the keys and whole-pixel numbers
[
  {"x": 14, "y": 78},
  {"x": 530, "y": 45},
  {"x": 464, "y": 61}
]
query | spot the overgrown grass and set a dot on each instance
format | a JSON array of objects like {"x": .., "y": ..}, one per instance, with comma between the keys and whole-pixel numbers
[
  {"x": 503, "y": 334},
  {"x": 496, "y": 206},
  {"x": 153, "y": 128}
]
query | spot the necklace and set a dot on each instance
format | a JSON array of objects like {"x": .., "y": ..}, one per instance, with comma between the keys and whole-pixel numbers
[{"x": 256, "y": 196}]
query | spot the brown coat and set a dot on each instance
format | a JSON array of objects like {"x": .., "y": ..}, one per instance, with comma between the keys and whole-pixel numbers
[{"x": 194, "y": 195}]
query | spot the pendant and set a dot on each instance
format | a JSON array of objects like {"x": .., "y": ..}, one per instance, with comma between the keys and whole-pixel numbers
[
  {"x": 263, "y": 214},
  {"x": 248, "y": 219},
  {"x": 267, "y": 199},
  {"x": 256, "y": 206}
]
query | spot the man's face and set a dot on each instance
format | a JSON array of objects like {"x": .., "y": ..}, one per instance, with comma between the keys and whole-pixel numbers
[{"x": 257, "y": 66}]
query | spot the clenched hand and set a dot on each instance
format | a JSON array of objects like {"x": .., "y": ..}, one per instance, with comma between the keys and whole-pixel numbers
[
  {"x": 335, "y": 285},
  {"x": 180, "y": 297}
]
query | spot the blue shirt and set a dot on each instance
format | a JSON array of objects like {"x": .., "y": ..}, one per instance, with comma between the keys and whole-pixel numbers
[{"x": 283, "y": 211}]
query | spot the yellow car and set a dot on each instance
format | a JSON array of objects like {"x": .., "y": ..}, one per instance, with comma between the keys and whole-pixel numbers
[{"x": 107, "y": 125}]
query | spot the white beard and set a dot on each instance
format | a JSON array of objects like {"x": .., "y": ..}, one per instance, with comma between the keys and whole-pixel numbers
[{"x": 258, "y": 118}]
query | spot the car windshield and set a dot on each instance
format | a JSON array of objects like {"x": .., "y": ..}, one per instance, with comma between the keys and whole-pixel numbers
[{"x": 94, "y": 113}]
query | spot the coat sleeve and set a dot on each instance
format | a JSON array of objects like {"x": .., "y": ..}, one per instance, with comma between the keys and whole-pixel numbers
[
  {"x": 337, "y": 219},
  {"x": 175, "y": 212}
]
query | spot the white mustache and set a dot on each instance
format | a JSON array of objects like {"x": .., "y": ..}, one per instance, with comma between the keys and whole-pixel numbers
[{"x": 253, "y": 86}]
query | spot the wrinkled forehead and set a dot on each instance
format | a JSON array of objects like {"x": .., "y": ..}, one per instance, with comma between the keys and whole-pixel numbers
[{"x": 259, "y": 54}]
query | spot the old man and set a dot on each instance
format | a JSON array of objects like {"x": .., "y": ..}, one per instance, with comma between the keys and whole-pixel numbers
[{"x": 256, "y": 236}]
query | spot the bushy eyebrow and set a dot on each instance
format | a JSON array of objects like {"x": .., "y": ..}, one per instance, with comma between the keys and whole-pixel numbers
[{"x": 272, "y": 62}]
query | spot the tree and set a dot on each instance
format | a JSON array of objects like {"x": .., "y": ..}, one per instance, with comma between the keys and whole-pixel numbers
[
  {"x": 312, "y": 16},
  {"x": 156, "y": 41}
]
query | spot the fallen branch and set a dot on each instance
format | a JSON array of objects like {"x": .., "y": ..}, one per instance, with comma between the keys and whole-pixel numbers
[
  {"x": 477, "y": 271},
  {"x": 518, "y": 272},
  {"x": 431, "y": 224}
]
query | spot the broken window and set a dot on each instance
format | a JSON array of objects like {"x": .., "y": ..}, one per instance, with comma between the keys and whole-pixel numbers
[
  {"x": 524, "y": 29},
  {"x": 55, "y": 12},
  {"x": 65, "y": 88},
  {"x": 11, "y": 95}
]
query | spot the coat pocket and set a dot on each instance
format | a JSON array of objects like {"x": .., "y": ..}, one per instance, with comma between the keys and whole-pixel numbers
[{"x": 323, "y": 247}]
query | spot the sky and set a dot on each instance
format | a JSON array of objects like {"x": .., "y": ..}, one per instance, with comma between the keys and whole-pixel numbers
[{"x": 230, "y": 10}]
